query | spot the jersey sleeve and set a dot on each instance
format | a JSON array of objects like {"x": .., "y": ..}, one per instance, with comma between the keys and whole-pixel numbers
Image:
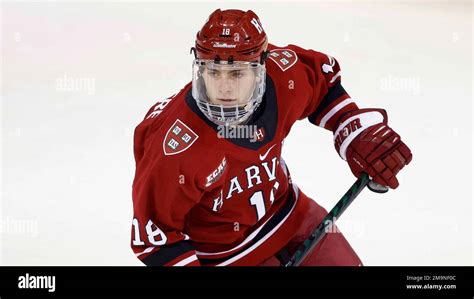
[
  {"x": 329, "y": 99},
  {"x": 162, "y": 196}
]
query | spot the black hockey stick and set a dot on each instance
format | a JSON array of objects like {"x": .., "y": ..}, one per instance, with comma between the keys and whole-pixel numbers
[{"x": 308, "y": 245}]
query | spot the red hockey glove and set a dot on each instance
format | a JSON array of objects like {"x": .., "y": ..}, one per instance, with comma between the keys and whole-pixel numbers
[{"x": 365, "y": 141}]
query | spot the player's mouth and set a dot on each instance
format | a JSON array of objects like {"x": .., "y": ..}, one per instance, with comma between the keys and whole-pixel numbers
[{"x": 227, "y": 102}]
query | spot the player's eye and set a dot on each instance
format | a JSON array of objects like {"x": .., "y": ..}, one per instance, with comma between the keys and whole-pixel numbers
[
  {"x": 213, "y": 73},
  {"x": 237, "y": 74}
]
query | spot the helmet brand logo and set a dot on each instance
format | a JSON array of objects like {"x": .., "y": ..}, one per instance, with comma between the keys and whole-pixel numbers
[{"x": 223, "y": 45}]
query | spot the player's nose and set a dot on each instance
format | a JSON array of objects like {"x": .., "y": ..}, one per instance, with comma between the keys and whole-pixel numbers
[{"x": 225, "y": 85}]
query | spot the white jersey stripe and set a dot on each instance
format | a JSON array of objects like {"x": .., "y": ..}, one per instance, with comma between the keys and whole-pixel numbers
[
  {"x": 186, "y": 261},
  {"x": 149, "y": 249},
  {"x": 248, "y": 239},
  {"x": 335, "y": 77},
  {"x": 334, "y": 110}
]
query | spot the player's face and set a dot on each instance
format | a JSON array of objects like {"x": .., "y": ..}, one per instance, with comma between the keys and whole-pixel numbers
[{"x": 229, "y": 85}]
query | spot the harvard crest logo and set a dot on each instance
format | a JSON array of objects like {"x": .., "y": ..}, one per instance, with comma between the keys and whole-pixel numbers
[
  {"x": 178, "y": 138},
  {"x": 284, "y": 58}
]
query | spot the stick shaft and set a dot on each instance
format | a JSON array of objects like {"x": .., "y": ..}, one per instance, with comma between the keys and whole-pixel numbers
[{"x": 308, "y": 245}]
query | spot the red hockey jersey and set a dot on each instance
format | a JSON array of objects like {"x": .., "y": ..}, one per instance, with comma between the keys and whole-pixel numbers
[{"x": 207, "y": 195}]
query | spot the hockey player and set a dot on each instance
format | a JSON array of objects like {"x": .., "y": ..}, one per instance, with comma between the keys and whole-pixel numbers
[{"x": 205, "y": 194}]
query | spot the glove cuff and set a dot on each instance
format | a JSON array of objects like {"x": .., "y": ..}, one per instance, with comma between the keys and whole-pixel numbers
[{"x": 354, "y": 123}]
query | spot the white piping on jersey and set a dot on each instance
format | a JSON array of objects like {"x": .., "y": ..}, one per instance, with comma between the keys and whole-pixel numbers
[
  {"x": 186, "y": 261},
  {"x": 248, "y": 250},
  {"x": 149, "y": 249},
  {"x": 248, "y": 239},
  {"x": 334, "y": 111},
  {"x": 338, "y": 74}
]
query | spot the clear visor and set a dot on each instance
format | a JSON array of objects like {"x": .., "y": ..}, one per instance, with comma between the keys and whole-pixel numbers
[{"x": 228, "y": 93}]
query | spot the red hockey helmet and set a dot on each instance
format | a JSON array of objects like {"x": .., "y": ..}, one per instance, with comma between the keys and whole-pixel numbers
[
  {"x": 228, "y": 69},
  {"x": 232, "y": 35}
]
